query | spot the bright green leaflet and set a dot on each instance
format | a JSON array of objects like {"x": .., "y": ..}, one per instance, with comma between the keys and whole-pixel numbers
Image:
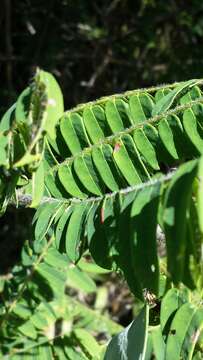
[
  {"x": 74, "y": 231},
  {"x": 92, "y": 125},
  {"x": 99, "y": 155},
  {"x": 86, "y": 172},
  {"x": 69, "y": 182},
  {"x": 146, "y": 148},
  {"x": 190, "y": 126}
]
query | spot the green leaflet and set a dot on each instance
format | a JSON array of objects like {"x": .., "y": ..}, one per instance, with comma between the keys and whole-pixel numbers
[
  {"x": 190, "y": 126},
  {"x": 69, "y": 134},
  {"x": 161, "y": 93},
  {"x": 55, "y": 278},
  {"x": 99, "y": 114},
  {"x": 152, "y": 134},
  {"x": 113, "y": 116},
  {"x": 3, "y": 150},
  {"x": 135, "y": 157},
  {"x": 44, "y": 217},
  {"x": 23, "y": 107},
  {"x": 128, "y": 160},
  {"x": 54, "y": 106},
  {"x": 61, "y": 226},
  {"x": 74, "y": 232},
  {"x": 117, "y": 114},
  {"x": 166, "y": 136},
  {"x": 176, "y": 204},
  {"x": 91, "y": 267},
  {"x": 103, "y": 160},
  {"x": 74, "y": 353},
  {"x": 86, "y": 172},
  {"x": 73, "y": 132},
  {"x": 184, "y": 332},
  {"x": 69, "y": 182},
  {"x": 53, "y": 186},
  {"x": 52, "y": 183},
  {"x": 22, "y": 310},
  {"x": 125, "y": 164},
  {"x": 94, "y": 120},
  {"x": 45, "y": 352},
  {"x": 142, "y": 240},
  {"x": 88, "y": 343},
  {"x": 124, "y": 111},
  {"x": 56, "y": 259},
  {"x": 19, "y": 147},
  {"x": 155, "y": 345},
  {"x": 173, "y": 299},
  {"x": 80, "y": 280},
  {"x": 167, "y": 101},
  {"x": 191, "y": 95},
  {"x": 131, "y": 342},
  {"x": 141, "y": 107},
  {"x": 145, "y": 148},
  {"x": 44, "y": 315},
  {"x": 58, "y": 144},
  {"x": 91, "y": 221},
  {"x": 154, "y": 138},
  {"x": 7, "y": 119},
  {"x": 174, "y": 138},
  {"x": 37, "y": 185},
  {"x": 28, "y": 329},
  {"x": 180, "y": 138}
]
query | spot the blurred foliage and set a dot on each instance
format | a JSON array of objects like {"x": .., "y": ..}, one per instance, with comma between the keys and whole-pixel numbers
[{"x": 99, "y": 47}]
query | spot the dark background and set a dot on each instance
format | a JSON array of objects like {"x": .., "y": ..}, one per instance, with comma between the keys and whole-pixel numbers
[{"x": 99, "y": 47}]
